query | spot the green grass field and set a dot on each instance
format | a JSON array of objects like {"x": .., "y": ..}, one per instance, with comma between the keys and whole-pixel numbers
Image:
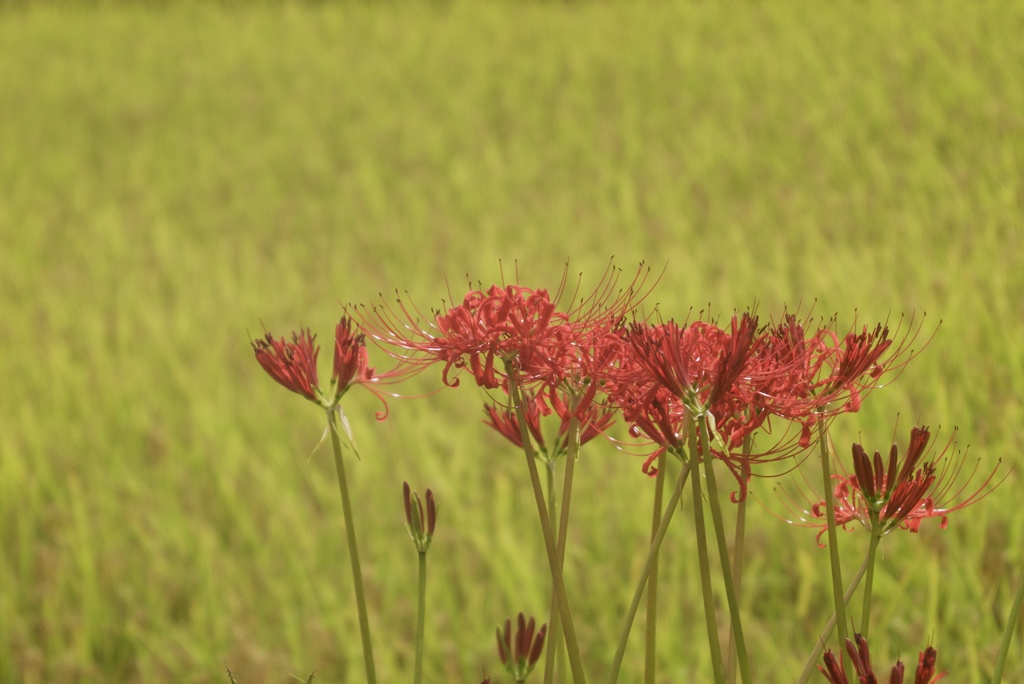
[{"x": 174, "y": 178}]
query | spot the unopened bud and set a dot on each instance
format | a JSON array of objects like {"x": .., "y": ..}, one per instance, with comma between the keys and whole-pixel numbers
[
  {"x": 419, "y": 523},
  {"x": 520, "y": 655}
]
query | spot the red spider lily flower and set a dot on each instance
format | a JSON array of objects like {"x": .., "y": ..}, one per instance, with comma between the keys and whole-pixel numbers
[
  {"x": 683, "y": 360},
  {"x": 700, "y": 364},
  {"x": 520, "y": 657},
  {"x": 858, "y": 364},
  {"x": 812, "y": 376},
  {"x": 504, "y": 324},
  {"x": 888, "y": 494},
  {"x": 834, "y": 671},
  {"x": 655, "y": 413},
  {"x": 861, "y": 357},
  {"x": 645, "y": 388},
  {"x": 292, "y": 364},
  {"x": 489, "y": 328},
  {"x": 737, "y": 350},
  {"x": 706, "y": 373},
  {"x": 784, "y": 372}
]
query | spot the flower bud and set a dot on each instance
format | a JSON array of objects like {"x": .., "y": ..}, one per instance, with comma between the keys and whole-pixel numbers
[{"x": 419, "y": 523}]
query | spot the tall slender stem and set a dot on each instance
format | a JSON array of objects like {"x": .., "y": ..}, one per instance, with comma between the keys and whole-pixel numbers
[
  {"x": 555, "y": 643},
  {"x": 819, "y": 645},
  {"x": 651, "y": 637},
  {"x": 833, "y": 537},
  {"x": 421, "y": 617},
  {"x": 568, "y": 627},
  {"x": 700, "y": 530},
  {"x": 865, "y": 617},
  {"x": 723, "y": 552},
  {"x": 739, "y": 538},
  {"x": 353, "y": 550},
  {"x": 1011, "y": 622},
  {"x": 572, "y": 454},
  {"x": 634, "y": 605}
]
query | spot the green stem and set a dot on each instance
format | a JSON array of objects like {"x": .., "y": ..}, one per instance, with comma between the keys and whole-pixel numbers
[
  {"x": 700, "y": 529},
  {"x": 554, "y": 621},
  {"x": 353, "y": 550},
  {"x": 572, "y": 455},
  {"x": 833, "y": 537},
  {"x": 568, "y": 627},
  {"x": 826, "y": 633},
  {"x": 421, "y": 618},
  {"x": 1011, "y": 622},
  {"x": 737, "y": 566},
  {"x": 620, "y": 651},
  {"x": 723, "y": 552},
  {"x": 865, "y": 616},
  {"x": 650, "y": 649}
]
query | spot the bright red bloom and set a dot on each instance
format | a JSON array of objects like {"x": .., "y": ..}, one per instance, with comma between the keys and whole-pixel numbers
[
  {"x": 703, "y": 366},
  {"x": 888, "y": 494},
  {"x": 674, "y": 375},
  {"x": 506, "y": 324},
  {"x": 834, "y": 672},
  {"x": 784, "y": 372},
  {"x": 683, "y": 360},
  {"x": 512, "y": 323},
  {"x": 655, "y": 413},
  {"x": 811, "y": 376},
  {"x": 861, "y": 358},
  {"x": 293, "y": 364}
]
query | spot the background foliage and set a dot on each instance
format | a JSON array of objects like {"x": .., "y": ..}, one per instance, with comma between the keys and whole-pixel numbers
[{"x": 175, "y": 176}]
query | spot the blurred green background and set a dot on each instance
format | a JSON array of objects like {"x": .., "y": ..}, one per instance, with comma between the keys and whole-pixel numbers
[{"x": 176, "y": 176}]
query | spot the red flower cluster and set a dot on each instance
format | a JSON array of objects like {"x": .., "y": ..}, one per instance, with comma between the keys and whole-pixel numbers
[
  {"x": 834, "y": 673},
  {"x": 663, "y": 377},
  {"x": 893, "y": 493},
  {"x": 737, "y": 379}
]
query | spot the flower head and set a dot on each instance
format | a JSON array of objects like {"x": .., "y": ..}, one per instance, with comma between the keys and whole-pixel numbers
[
  {"x": 674, "y": 376},
  {"x": 293, "y": 364},
  {"x": 505, "y": 329},
  {"x": 891, "y": 493},
  {"x": 810, "y": 373}
]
